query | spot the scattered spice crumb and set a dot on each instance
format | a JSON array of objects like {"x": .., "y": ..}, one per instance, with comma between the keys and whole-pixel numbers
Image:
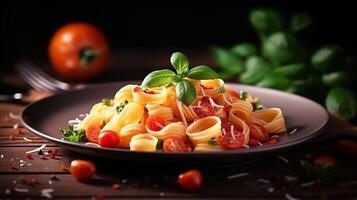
[
  {"x": 13, "y": 166},
  {"x": 2, "y": 156},
  {"x": 116, "y": 186},
  {"x": 7, "y": 191},
  {"x": 124, "y": 181},
  {"x": 30, "y": 181},
  {"x": 20, "y": 131},
  {"x": 155, "y": 186},
  {"x": 50, "y": 182},
  {"x": 283, "y": 159},
  {"x": 54, "y": 178},
  {"x": 11, "y": 137},
  {"x": 290, "y": 178},
  {"x": 289, "y": 197},
  {"x": 271, "y": 190},
  {"x": 16, "y": 189},
  {"x": 15, "y": 126},
  {"x": 53, "y": 153},
  {"x": 26, "y": 139},
  {"x": 47, "y": 193},
  {"x": 237, "y": 175},
  {"x": 162, "y": 194},
  {"x": 262, "y": 180},
  {"x": 307, "y": 184},
  {"x": 13, "y": 115},
  {"x": 63, "y": 167},
  {"x": 29, "y": 156}
]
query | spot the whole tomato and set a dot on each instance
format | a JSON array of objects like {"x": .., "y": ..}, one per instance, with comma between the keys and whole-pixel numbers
[{"x": 78, "y": 51}]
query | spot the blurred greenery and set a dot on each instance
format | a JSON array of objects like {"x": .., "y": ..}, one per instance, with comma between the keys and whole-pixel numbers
[{"x": 285, "y": 62}]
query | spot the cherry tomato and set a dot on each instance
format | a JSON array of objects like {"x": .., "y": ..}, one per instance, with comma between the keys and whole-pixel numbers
[
  {"x": 258, "y": 132},
  {"x": 206, "y": 108},
  {"x": 253, "y": 142},
  {"x": 155, "y": 123},
  {"x": 190, "y": 180},
  {"x": 78, "y": 51},
  {"x": 174, "y": 144},
  {"x": 234, "y": 141},
  {"x": 82, "y": 170},
  {"x": 108, "y": 139},
  {"x": 92, "y": 133},
  {"x": 234, "y": 94}
]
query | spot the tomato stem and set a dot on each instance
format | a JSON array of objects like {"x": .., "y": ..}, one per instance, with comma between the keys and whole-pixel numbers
[{"x": 87, "y": 55}]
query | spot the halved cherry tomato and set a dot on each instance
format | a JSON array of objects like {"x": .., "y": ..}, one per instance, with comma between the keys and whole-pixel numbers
[
  {"x": 174, "y": 144},
  {"x": 190, "y": 180},
  {"x": 227, "y": 126},
  {"x": 82, "y": 170},
  {"x": 108, "y": 139},
  {"x": 155, "y": 123},
  {"x": 92, "y": 133},
  {"x": 206, "y": 108},
  {"x": 78, "y": 51},
  {"x": 234, "y": 141},
  {"x": 234, "y": 94},
  {"x": 253, "y": 142},
  {"x": 258, "y": 132}
]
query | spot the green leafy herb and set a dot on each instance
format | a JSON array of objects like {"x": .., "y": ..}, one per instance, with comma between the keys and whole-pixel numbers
[
  {"x": 221, "y": 90},
  {"x": 244, "y": 49},
  {"x": 185, "y": 91},
  {"x": 256, "y": 69},
  {"x": 179, "y": 61},
  {"x": 121, "y": 106},
  {"x": 327, "y": 58},
  {"x": 300, "y": 21},
  {"x": 106, "y": 101},
  {"x": 158, "y": 78},
  {"x": 336, "y": 79},
  {"x": 227, "y": 60},
  {"x": 72, "y": 135},
  {"x": 266, "y": 21},
  {"x": 243, "y": 95},
  {"x": 342, "y": 102},
  {"x": 159, "y": 144},
  {"x": 275, "y": 81},
  {"x": 212, "y": 141},
  {"x": 202, "y": 72},
  {"x": 290, "y": 70},
  {"x": 257, "y": 105}
]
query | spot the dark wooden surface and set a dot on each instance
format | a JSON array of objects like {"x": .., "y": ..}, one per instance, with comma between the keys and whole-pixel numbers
[{"x": 152, "y": 181}]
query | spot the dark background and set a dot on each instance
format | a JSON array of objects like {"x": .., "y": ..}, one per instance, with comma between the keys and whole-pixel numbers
[{"x": 163, "y": 26}]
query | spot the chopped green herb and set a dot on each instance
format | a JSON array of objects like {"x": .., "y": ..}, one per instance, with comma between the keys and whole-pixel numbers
[
  {"x": 257, "y": 105},
  {"x": 159, "y": 144},
  {"x": 243, "y": 95},
  {"x": 121, "y": 106},
  {"x": 106, "y": 101},
  {"x": 72, "y": 135},
  {"x": 212, "y": 141},
  {"x": 221, "y": 90}
]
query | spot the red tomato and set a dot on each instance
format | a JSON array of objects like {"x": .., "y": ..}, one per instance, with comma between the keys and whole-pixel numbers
[
  {"x": 174, "y": 144},
  {"x": 92, "y": 133},
  {"x": 108, "y": 139},
  {"x": 234, "y": 94},
  {"x": 190, "y": 180},
  {"x": 206, "y": 108},
  {"x": 82, "y": 170},
  {"x": 253, "y": 142},
  {"x": 258, "y": 132},
  {"x": 155, "y": 123},
  {"x": 232, "y": 142},
  {"x": 78, "y": 51}
]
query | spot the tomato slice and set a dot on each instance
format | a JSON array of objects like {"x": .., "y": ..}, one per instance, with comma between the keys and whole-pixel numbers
[
  {"x": 190, "y": 180},
  {"x": 206, "y": 108},
  {"x": 258, "y": 132},
  {"x": 234, "y": 94},
  {"x": 231, "y": 140},
  {"x": 174, "y": 144},
  {"x": 92, "y": 133},
  {"x": 155, "y": 123}
]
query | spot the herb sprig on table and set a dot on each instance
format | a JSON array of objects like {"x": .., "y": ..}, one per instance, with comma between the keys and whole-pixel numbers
[
  {"x": 285, "y": 61},
  {"x": 72, "y": 135},
  {"x": 185, "y": 90}
]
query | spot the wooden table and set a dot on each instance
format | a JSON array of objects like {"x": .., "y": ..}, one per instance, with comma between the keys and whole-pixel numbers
[{"x": 279, "y": 176}]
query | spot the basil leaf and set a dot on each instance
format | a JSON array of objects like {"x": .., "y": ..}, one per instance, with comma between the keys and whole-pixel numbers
[
  {"x": 342, "y": 102},
  {"x": 244, "y": 50},
  {"x": 266, "y": 21},
  {"x": 276, "y": 82},
  {"x": 179, "y": 61},
  {"x": 300, "y": 21},
  {"x": 226, "y": 75},
  {"x": 69, "y": 134},
  {"x": 202, "y": 72},
  {"x": 256, "y": 70},
  {"x": 336, "y": 78},
  {"x": 158, "y": 78},
  {"x": 327, "y": 58},
  {"x": 185, "y": 91},
  {"x": 227, "y": 60},
  {"x": 291, "y": 70}
]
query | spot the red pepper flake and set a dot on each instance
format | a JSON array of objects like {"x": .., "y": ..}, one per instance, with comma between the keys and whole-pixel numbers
[
  {"x": 30, "y": 181},
  {"x": 137, "y": 89},
  {"x": 53, "y": 153},
  {"x": 274, "y": 140},
  {"x": 253, "y": 142},
  {"x": 116, "y": 186},
  {"x": 29, "y": 156},
  {"x": 13, "y": 167},
  {"x": 11, "y": 137},
  {"x": 136, "y": 184},
  {"x": 20, "y": 131}
]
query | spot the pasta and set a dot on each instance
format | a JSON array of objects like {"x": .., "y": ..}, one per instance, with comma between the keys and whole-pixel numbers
[{"x": 213, "y": 117}]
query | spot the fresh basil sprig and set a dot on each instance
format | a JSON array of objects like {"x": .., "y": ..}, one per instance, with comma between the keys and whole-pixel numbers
[{"x": 185, "y": 90}]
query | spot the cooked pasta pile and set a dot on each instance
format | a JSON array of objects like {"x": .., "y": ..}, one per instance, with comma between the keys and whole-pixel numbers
[{"x": 219, "y": 118}]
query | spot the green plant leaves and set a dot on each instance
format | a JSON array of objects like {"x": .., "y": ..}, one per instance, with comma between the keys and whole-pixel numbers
[
  {"x": 300, "y": 22},
  {"x": 336, "y": 78},
  {"x": 185, "y": 91},
  {"x": 290, "y": 70},
  {"x": 276, "y": 82},
  {"x": 179, "y": 61},
  {"x": 227, "y": 60},
  {"x": 256, "y": 69},
  {"x": 202, "y": 72},
  {"x": 244, "y": 50},
  {"x": 158, "y": 78},
  {"x": 266, "y": 21},
  {"x": 342, "y": 101},
  {"x": 327, "y": 58}
]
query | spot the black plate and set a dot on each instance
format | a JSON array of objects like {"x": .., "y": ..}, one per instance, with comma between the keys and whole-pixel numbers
[{"x": 45, "y": 117}]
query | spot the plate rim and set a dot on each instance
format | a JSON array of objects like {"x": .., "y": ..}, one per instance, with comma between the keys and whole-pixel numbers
[{"x": 241, "y": 152}]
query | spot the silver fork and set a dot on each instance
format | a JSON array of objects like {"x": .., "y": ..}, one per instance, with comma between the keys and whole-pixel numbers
[{"x": 40, "y": 80}]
